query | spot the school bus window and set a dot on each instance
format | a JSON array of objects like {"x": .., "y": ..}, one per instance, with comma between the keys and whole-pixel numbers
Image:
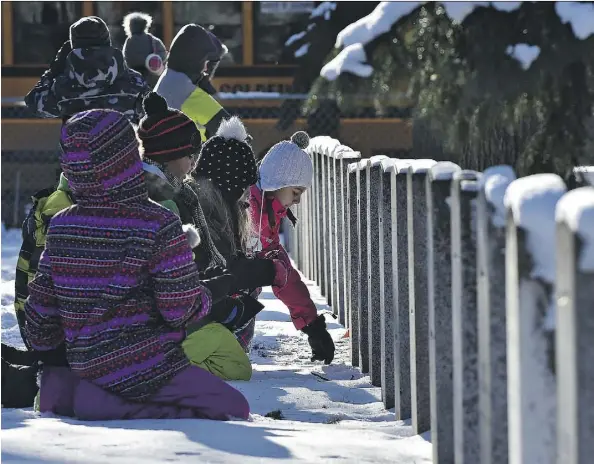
[
  {"x": 113, "y": 14},
  {"x": 40, "y": 29},
  {"x": 223, "y": 19},
  {"x": 274, "y": 23}
]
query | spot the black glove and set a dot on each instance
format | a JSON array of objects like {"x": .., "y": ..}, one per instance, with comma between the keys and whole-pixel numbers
[
  {"x": 252, "y": 273},
  {"x": 322, "y": 346},
  {"x": 251, "y": 308},
  {"x": 212, "y": 271},
  {"x": 220, "y": 286},
  {"x": 236, "y": 312},
  {"x": 59, "y": 63}
]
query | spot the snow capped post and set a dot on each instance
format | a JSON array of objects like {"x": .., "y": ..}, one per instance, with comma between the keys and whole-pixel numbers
[
  {"x": 344, "y": 155},
  {"x": 574, "y": 326},
  {"x": 417, "y": 287},
  {"x": 399, "y": 202},
  {"x": 316, "y": 217},
  {"x": 311, "y": 252},
  {"x": 324, "y": 234},
  {"x": 303, "y": 210},
  {"x": 336, "y": 156},
  {"x": 373, "y": 198},
  {"x": 333, "y": 185},
  {"x": 353, "y": 259},
  {"x": 530, "y": 275},
  {"x": 388, "y": 284},
  {"x": 492, "y": 336},
  {"x": 363, "y": 283},
  {"x": 330, "y": 233},
  {"x": 439, "y": 279},
  {"x": 318, "y": 221},
  {"x": 464, "y": 317},
  {"x": 358, "y": 257}
]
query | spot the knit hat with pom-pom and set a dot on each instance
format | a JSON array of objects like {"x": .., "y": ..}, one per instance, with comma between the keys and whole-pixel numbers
[
  {"x": 140, "y": 43},
  {"x": 227, "y": 159},
  {"x": 166, "y": 134},
  {"x": 287, "y": 164}
]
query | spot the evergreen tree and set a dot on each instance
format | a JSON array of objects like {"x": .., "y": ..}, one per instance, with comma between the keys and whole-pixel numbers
[
  {"x": 311, "y": 47},
  {"x": 474, "y": 102}
]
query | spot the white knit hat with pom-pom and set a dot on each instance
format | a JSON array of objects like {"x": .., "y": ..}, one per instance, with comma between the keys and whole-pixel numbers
[{"x": 287, "y": 164}]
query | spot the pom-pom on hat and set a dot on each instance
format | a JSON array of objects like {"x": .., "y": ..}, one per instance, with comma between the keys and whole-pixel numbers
[
  {"x": 227, "y": 159},
  {"x": 136, "y": 23},
  {"x": 287, "y": 164},
  {"x": 166, "y": 134}
]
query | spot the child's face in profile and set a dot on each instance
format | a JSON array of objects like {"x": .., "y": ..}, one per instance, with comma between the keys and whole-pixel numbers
[
  {"x": 289, "y": 196},
  {"x": 181, "y": 167}
]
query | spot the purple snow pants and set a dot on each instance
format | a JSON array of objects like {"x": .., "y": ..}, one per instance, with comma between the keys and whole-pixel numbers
[{"x": 193, "y": 393}]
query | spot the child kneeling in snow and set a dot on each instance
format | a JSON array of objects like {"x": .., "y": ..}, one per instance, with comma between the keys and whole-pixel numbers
[
  {"x": 117, "y": 285},
  {"x": 170, "y": 142},
  {"x": 225, "y": 171},
  {"x": 286, "y": 171}
]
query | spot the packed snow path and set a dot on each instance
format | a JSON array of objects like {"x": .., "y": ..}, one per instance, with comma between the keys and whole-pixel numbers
[{"x": 322, "y": 413}]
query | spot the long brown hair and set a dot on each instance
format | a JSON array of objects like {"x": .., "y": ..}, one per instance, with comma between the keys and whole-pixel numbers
[{"x": 229, "y": 225}]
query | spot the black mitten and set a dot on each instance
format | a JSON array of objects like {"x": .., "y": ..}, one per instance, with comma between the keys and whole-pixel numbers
[
  {"x": 251, "y": 308},
  {"x": 226, "y": 310},
  {"x": 235, "y": 312},
  {"x": 252, "y": 273},
  {"x": 320, "y": 341},
  {"x": 220, "y": 286}
]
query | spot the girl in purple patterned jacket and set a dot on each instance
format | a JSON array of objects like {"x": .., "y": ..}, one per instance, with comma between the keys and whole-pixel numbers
[{"x": 117, "y": 285}]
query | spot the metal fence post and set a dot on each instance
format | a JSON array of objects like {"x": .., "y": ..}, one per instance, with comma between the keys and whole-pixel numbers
[
  {"x": 574, "y": 326},
  {"x": 373, "y": 197},
  {"x": 353, "y": 261},
  {"x": 492, "y": 324},
  {"x": 439, "y": 280},
  {"x": 418, "y": 297},
  {"x": 530, "y": 273},
  {"x": 464, "y": 317}
]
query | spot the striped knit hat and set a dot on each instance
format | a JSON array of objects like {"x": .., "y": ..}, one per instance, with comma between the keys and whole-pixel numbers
[
  {"x": 166, "y": 133},
  {"x": 100, "y": 158}
]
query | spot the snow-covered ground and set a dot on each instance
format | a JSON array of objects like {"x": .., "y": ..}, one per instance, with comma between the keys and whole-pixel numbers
[{"x": 329, "y": 413}]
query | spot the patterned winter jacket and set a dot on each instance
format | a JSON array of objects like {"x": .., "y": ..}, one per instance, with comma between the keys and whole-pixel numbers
[
  {"x": 292, "y": 292},
  {"x": 116, "y": 281},
  {"x": 93, "y": 78},
  {"x": 47, "y": 203}
]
